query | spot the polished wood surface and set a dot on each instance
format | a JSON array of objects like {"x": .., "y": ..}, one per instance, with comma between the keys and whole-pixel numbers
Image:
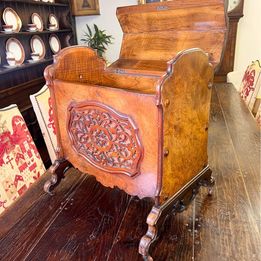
[
  {"x": 76, "y": 59},
  {"x": 186, "y": 104},
  {"x": 86, "y": 221},
  {"x": 159, "y": 31},
  {"x": 165, "y": 45}
]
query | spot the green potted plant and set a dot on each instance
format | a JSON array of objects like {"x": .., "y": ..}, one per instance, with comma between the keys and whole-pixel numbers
[{"x": 97, "y": 40}]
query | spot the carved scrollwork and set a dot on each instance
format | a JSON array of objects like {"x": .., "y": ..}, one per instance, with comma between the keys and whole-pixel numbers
[{"x": 105, "y": 138}]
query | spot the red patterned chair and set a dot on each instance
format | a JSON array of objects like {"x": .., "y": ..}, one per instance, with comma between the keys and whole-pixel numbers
[
  {"x": 41, "y": 102},
  {"x": 20, "y": 162},
  {"x": 250, "y": 89}
]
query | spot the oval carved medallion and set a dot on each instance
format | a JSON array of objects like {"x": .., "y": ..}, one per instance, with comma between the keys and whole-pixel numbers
[{"x": 105, "y": 138}]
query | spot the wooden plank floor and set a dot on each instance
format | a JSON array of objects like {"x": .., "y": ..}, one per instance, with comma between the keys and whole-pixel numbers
[{"x": 86, "y": 221}]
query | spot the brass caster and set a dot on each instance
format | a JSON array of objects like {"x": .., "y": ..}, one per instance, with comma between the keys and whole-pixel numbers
[
  {"x": 49, "y": 184},
  {"x": 66, "y": 169},
  {"x": 210, "y": 191}
]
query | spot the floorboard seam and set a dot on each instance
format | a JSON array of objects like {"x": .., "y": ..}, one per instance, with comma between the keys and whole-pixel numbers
[
  {"x": 71, "y": 193},
  {"x": 234, "y": 150},
  {"x": 119, "y": 228},
  {"x": 215, "y": 188}
]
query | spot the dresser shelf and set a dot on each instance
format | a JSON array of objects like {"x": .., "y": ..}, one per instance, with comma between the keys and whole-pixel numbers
[
  {"x": 7, "y": 35},
  {"x": 30, "y": 2},
  {"x": 6, "y": 69}
]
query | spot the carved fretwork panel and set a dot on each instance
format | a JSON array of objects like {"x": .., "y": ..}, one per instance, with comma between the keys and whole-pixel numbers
[{"x": 105, "y": 138}]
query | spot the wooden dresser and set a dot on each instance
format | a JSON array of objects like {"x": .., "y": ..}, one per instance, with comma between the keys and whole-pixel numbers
[{"x": 141, "y": 124}]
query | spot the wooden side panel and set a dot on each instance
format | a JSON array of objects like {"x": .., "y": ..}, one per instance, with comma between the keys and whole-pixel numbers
[
  {"x": 186, "y": 99},
  {"x": 173, "y": 15},
  {"x": 132, "y": 105},
  {"x": 165, "y": 45},
  {"x": 81, "y": 64}
]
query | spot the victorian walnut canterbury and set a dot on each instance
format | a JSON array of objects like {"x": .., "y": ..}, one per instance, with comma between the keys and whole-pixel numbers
[{"x": 141, "y": 124}]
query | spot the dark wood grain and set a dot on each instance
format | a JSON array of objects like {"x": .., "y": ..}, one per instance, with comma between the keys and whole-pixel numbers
[
  {"x": 35, "y": 219},
  {"x": 175, "y": 242},
  {"x": 125, "y": 244},
  {"x": 229, "y": 225},
  {"x": 96, "y": 213},
  {"x": 245, "y": 137}
]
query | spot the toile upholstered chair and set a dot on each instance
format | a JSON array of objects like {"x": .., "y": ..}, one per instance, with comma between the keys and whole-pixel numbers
[
  {"x": 20, "y": 162},
  {"x": 42, "y": 106}
]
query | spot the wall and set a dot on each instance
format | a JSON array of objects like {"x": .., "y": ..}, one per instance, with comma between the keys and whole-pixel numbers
[
  {"x": 248, "y": 46},
  {"x": 249, "y": 37},
  {"x": 106, "y": 21}
]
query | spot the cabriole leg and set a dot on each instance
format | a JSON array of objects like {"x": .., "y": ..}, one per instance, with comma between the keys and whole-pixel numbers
[
  {"x": 154, "y": 220},
  {"x": 57, "y": 170}
]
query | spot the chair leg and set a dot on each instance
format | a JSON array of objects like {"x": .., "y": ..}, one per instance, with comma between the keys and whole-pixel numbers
[
  {"x": 176, "y": 204},
  {"x": 154, "y": 220}
]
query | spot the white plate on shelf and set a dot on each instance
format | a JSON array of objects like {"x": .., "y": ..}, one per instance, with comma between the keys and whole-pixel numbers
[
  {"x": 54, "y": 20},
  {"x": 33, "y": 61},
  {"x": 37, "y": 46},
  {"x": 10, "y": 66},
  {"x": 55, "y": 43},
  {"x": 15, "y": 47},
  {"x": 55, "y": 29},
  {"x": 37, "y": 19},
  {"x": 10, "y": 17},
  {"x": 4, "y": 32},
  {"x": 32, "y": 31}
]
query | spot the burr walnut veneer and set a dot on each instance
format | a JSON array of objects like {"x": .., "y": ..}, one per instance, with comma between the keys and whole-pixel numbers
[{"x": 141, "y": 124}]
